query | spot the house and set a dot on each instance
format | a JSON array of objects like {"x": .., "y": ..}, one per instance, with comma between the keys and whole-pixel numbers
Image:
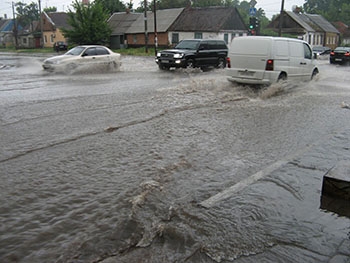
[
  {"x": 208, "y": 23},
  {"x": 177, "y": 24},
  {"x": 6, "y": 33},
  {"x": 27, "y": 37},
  {"x": 120, "y": 23},
  {"x": 135, "y": 34},
  {"x": 53, "y": 22},
  {"x": 312, "y": 28}
]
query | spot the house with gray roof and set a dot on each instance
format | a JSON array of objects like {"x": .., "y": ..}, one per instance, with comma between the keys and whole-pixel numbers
[
  {"x": 120, "y": 23},
  {"x": 135, "y": 34},
  {"x": 312, "y": 28},
  {"x": 53, "y": 22},
  {"x": 174, "y": 25},
  {"x": 208, "y": 23}
]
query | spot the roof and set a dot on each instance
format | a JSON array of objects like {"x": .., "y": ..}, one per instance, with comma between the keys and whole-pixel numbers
[
  {"x": 209, "y": 19},
  {"x": 304, "y": 24},
  {"x": 165, "y": 18},
  {"x": 122, "y": 21},
  {"x": 313, "y": 22},
  {"x": 6, "y": 25},
  {"x": 59, "y": 19},
  {"x": 322, "y": 23}
]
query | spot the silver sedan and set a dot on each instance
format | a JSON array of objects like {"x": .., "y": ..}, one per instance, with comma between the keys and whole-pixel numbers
[{"x": 84, "y": 58}]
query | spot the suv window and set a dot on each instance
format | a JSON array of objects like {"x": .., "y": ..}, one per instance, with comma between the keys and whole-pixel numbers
[{"x": 188, "y": 44}]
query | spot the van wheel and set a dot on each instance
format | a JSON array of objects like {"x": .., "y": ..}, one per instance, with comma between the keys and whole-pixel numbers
[
  {"x": 314, "y": 73},
  {"x": 190, "y": 63},
  {"x": 221, "y": 63},
  {"x": 282, "y": 77}
]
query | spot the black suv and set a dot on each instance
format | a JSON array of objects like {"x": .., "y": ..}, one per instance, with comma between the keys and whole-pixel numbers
[{"x": 192, "y": 53}]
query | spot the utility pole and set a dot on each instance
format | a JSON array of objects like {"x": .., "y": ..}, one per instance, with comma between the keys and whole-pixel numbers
[
  {"x": 146, "y": 33},
  {"x": 281, "y": 19},
  {"x": 41, "y": 26},
  {"x": 155, "y": 27},
  {"x": 15, "y": 31}
]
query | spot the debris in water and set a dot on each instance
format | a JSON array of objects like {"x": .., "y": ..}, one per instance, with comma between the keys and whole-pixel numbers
[{"x": 345, "y": 105}]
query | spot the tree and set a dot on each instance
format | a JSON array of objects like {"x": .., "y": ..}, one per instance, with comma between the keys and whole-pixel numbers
[
  {"x": 89, "y": 24},
  {"x": 27, "y": 14},
  {"x": 50, "y": 9},
  {"x": 332, "y": 10},
  {"x": 113, "y": 6}
]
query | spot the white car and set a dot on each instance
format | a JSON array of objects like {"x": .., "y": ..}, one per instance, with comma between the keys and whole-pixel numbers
[{"x": 84, "y": 58}]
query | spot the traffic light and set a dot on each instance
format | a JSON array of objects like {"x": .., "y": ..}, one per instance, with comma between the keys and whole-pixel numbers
[{"x": 252, "y": 22}]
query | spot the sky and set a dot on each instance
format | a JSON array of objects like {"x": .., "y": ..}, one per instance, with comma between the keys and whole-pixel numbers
[{"x": 271, "y": 7}]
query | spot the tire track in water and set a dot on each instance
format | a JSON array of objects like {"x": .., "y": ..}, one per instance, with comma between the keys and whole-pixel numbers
[{"x": 125, "y": 125}]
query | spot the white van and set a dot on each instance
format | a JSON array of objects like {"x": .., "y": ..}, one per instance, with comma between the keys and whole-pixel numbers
[{"x": 266, "y": 60}]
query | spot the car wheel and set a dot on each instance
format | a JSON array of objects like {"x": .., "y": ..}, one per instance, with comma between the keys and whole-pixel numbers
[
  {"x": 162, "y": 67},
  {"x": 221, "y": 63},
  {"x": 190, "y": 63}
]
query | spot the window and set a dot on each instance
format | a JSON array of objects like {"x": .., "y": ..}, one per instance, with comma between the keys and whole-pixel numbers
[
  {"x": 101, "y": 51},
  {"x": 135, "y": 38},
  {"x": 24, "y": 40},
  {"x": 45, "y": 39},
  {"x": 175, "y": 38},
  {"x": 90, "y": 52},
  {"x": 198, "y": 35},
  {"x": 226, "y": 38},
  {"x": 52, "y": 38},
  {"x": 307, "y": 52}
]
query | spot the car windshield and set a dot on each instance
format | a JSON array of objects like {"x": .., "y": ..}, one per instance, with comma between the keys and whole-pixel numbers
[
  {"x": 188, "y": 44},
  {"x": 75, "y": 51}
]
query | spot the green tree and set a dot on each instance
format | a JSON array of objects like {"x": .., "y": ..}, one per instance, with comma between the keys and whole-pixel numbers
[
  {"x": 113, "y": 6},
  {"x": 89, "y": 24},
  {"x": 332, "y": 10},
  {"x": 27, "y": 14},
  {"x": 50, "y": 9}
]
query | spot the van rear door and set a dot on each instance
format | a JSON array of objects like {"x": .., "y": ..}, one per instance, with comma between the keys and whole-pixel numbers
[{"x": 248, "y": 57}]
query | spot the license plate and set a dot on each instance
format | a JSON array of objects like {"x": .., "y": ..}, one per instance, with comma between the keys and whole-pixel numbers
[
  {"x": 338, "y": 59},
  {"x": 165, "y": 61},
  {"x": 246, "y": 73}
]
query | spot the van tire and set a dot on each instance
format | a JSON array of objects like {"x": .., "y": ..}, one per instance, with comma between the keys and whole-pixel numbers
[
  {"x": 314, "y": 74},
  {"x": 282, "y": 77}
]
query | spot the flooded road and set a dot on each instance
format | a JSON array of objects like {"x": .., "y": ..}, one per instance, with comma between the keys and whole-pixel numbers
[{"x": 116, "y": 167}]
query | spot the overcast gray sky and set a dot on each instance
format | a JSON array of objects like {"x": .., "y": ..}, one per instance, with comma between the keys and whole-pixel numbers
[{"x": 271, "y": 7}]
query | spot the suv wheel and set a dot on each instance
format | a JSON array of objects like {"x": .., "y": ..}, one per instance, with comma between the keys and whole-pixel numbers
[
  {"x": 190, "y": 63},
  {"x": 163, "y": 67},
  {"x": 221, "y": 63}
]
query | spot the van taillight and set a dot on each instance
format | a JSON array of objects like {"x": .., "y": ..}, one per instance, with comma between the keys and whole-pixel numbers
[
  {"x": 269, "y": 64},
  {"x": 228, "y": 62},
  {"x": 347, "y": 54},
  {"x": 332, "y": 53}
]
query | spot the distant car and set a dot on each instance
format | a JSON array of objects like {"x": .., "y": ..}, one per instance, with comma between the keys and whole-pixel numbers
[
  {"x": 193, "y": 53},
  {"x": 84, "y": 57},
  {"x": 340, "y": 55},
  {"x": 320, "y": 51},
  {"x": 60, "y": 46}
]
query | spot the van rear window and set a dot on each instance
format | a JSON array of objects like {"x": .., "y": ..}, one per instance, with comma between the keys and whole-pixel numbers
[{"x": 249, "y": 47}]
